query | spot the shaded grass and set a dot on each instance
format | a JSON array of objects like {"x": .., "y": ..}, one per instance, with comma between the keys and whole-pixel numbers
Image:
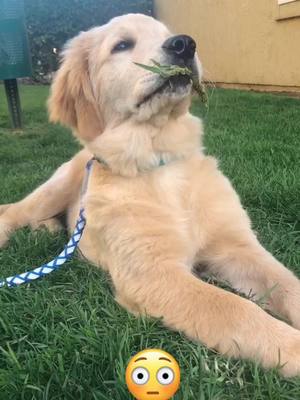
[{"x": 64, "y": 337}]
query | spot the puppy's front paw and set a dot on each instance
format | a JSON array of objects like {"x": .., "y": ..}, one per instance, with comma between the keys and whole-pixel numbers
[
  {"x": 290, "y": 365},
  {"x": 52, "y": 224}
]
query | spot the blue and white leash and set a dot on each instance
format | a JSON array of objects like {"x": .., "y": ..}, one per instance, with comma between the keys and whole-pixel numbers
[{"x": 68, "y": 250}]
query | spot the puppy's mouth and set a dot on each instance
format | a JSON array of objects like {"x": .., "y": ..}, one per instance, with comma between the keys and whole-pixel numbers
[{"x": 169, "y": 86}]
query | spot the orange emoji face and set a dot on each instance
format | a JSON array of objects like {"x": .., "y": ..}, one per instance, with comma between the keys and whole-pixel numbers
[{"x": 153, "y": 374}]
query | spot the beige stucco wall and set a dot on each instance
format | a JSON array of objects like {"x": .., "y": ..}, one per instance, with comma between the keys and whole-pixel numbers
[{"x": 239, "y": 41}]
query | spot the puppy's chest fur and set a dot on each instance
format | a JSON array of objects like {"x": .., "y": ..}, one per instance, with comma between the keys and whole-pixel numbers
[{"x": 162, "y": 201}]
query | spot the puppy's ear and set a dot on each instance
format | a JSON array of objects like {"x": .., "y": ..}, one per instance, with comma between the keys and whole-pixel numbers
[{"x": 71, "y": 101}]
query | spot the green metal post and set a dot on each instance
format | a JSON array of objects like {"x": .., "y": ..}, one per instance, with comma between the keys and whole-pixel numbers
[
  {"x": 14, "y": 54},
  {"x": 13, "y": 101}
]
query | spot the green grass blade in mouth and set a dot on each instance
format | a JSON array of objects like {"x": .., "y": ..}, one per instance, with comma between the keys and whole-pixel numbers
[
  {"x": 168, "y": 71},
  {"x": 150, "y": 68},
  {"x": 165, "y": 71},
  {"x": 200, "y": 90}
]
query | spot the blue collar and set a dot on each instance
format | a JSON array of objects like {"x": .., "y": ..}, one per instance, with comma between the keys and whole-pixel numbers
[{"x": 103, "y": 162}]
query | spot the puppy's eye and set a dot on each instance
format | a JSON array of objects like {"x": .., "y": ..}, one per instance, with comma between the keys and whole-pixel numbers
[{"x": 123, "y": 46}]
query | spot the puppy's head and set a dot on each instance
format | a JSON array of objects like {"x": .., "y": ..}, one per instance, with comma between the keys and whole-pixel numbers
[{"x": 99, "y": 85}]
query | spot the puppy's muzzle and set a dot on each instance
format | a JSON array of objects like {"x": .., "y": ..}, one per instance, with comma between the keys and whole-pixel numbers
[{"x": 181, "y": 48}]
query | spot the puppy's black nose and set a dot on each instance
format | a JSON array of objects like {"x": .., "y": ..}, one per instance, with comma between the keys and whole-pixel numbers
[{"x": 180, "y": 46}]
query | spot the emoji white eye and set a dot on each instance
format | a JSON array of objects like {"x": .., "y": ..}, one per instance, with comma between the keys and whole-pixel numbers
[
  {"x": 140, "y": 376},
  {"x": 165, "y": 376}
]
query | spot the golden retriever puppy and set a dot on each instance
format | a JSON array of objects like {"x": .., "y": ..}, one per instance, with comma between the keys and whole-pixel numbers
[{"x": 148, "y": 224}]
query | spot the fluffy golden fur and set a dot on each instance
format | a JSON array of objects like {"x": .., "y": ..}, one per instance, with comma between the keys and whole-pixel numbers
[{"x": 149, "y": 225}]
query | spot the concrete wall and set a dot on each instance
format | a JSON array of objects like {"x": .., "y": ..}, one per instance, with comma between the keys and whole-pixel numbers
[{"x": 241, "y": 41}]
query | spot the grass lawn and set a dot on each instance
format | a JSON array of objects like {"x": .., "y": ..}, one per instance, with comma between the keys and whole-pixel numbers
[{"x": 64, "y": 337}]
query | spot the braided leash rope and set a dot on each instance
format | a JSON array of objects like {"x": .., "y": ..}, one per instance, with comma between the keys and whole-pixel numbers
[{"x": 68, "y": 250}]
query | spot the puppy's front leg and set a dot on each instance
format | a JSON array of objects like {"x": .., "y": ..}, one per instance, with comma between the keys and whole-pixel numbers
[
  {"x": 51, "y": 198},
  {"x": 3, "y": 208},
  {"x": 239, "y": 259},
  {"x": 228, "y": 323}
]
